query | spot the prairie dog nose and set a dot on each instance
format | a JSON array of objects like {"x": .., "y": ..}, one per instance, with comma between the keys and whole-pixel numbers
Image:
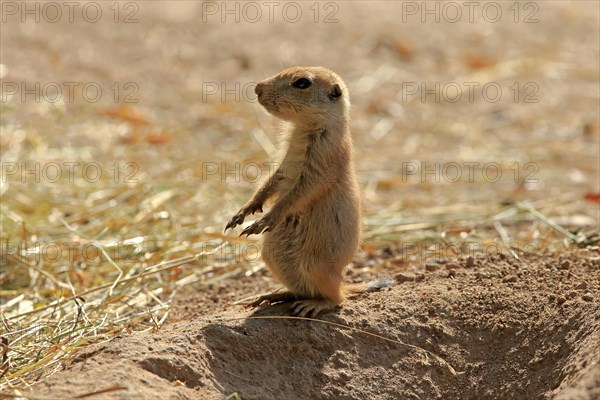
[{"x": 259, "y": 88}]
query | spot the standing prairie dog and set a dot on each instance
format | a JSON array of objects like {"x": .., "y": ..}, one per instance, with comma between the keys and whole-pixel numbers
[{"x": 313, "y": 228}]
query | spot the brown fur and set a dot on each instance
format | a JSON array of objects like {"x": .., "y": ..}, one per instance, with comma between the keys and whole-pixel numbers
[{"x": 312, "y": 230}]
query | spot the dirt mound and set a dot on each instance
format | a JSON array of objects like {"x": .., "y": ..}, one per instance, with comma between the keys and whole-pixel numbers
[{"x": 492, "y": 327}]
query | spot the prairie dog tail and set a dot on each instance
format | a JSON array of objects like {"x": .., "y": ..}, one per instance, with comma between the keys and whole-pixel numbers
[{"x": 368, "y": 287}]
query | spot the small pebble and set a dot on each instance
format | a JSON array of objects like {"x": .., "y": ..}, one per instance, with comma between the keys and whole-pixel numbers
[
  {"x": 509, "y": 279},
  {"x": 566, "y": 264},
  {"x": 452, "y": 266},
  {"x": 573, "y": 294},
  {"x": 587, "y": 296},
  {"x": 388, "y": 251},
  {"x": 560, "y": 299},
  {"x": 581, "y": 286},
  {"x": 431, "y": 267},
  {"x": 405, "y": 277},
  {"x": 470, "y": 262}
]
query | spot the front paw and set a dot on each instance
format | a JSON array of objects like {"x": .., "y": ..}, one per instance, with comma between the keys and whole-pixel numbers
[
  {"x": 238, "y": 218},
  {"x": 264, "y": 224},
  {"x": 253, "y": 208}
]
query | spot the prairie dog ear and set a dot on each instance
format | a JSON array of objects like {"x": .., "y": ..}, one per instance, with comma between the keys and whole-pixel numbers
[{"x": 335, "y": 92}]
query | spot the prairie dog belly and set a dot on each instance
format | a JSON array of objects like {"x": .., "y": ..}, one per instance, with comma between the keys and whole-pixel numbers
[{"x": 325, "y": 236}]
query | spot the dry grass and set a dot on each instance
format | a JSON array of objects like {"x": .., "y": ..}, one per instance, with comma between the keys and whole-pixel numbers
[{"x": 52, "y": 306}]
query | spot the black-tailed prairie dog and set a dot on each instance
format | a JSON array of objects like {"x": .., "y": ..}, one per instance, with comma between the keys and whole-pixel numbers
[{"x": 312, "y": 230}]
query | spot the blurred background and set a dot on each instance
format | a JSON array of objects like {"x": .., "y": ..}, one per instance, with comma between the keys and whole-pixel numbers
[{"x": 131, "y": 134}]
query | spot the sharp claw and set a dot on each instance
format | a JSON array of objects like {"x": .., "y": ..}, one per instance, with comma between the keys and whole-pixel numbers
[
  {"x": 297, "y": 312},
  {"x": 256, "y": 228},
  {"x": 238, "y": 219}
]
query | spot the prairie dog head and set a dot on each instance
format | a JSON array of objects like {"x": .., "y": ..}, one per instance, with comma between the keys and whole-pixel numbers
[{"x": 304, "y": 95}]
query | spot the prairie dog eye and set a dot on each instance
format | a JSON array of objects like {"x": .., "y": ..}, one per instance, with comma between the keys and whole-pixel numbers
[{"x": 302, "y": 83}]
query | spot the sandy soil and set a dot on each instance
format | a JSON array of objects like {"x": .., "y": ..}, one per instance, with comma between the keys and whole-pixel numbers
[{"x": 502, "y": 329}]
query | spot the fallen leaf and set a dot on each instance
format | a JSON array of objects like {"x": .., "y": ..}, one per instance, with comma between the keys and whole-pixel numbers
[
  {"x": 175, "y": 273},
  {"x": 403, "y": 50},
  {"x": 479, "y": 62},
  {"x": 128, "y": 114},
  {"x": 593, "y": 197},
  {"x": 158, "y": 137},
  {"x": 367, "y": 248},
  {"x": 590, "y": 131}
]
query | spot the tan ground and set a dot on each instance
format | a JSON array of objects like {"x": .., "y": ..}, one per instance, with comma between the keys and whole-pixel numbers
[
  {"x": 503, "y": 329},
  {"x": 522, "y": 325}
]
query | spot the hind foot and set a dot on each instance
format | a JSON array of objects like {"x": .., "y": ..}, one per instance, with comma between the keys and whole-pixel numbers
[
  {"x": 312, "y": 308},
  {"x": 271, "y": 298}
]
